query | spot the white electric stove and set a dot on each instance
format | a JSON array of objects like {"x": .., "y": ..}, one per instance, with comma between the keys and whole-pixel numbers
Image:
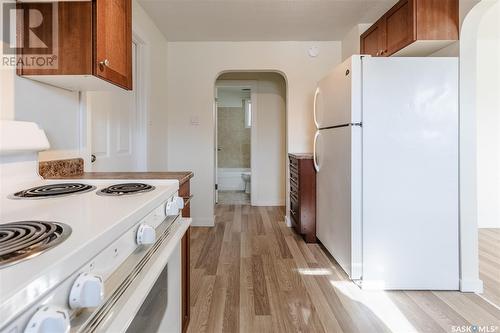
[{"x": 110, "y": 244}]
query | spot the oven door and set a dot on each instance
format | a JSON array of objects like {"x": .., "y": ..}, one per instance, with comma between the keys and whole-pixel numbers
[
  {"x": 160, "y": 311},
  {"x": 145, "y": 292}
]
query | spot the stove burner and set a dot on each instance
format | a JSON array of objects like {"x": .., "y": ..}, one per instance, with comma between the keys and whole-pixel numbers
[
  {"x": 52, "y": 190},
  {"x": 126, "y": 189},
  {"x": 25, "y": 239}
]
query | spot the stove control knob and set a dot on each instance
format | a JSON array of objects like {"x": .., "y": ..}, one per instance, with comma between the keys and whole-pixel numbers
[
  {"x": 146, "y": 235},
  {"x": 172, "y": 207},
  {"x": 87, "y": 291},
  {"x": 179, "y": 202},
  {"x": 49, "y": 319}
]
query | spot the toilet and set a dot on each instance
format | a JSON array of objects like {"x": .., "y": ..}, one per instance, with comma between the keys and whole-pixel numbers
[{"x": 247, "y": 179}]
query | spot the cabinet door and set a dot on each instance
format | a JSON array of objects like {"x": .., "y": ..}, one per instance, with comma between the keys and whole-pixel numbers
[
  {"x": 400, "y": 27},
  {"x": 185, "y": 192},
  {"x": 372, "y": 41},
  {"x": 113, "y": 36}
]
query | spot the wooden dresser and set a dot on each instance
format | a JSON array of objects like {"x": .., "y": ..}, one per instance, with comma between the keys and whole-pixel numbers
[{"x": 303, "y": 195}]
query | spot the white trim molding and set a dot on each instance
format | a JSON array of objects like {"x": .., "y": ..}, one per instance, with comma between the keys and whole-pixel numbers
[
  {"x": 471, "y": 286},
  {"x": 469, "y": 253},
  {"x": 203, "y": 222}
]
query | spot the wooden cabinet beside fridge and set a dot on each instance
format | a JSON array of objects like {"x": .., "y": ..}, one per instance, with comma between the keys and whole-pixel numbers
[
  {"x": 185, "y": 192},
  {"x": 413, "y": 28},
  {"x": 303, "y": 196}
]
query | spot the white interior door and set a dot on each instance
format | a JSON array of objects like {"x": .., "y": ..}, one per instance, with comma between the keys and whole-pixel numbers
[{"x": 115, "y": 121}]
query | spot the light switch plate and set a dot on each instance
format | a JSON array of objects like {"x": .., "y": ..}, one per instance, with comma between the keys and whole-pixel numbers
[{"x": 195, "y": 120}]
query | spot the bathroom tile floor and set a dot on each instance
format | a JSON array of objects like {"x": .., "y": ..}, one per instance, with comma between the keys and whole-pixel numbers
[{"x": 233, "y": 198}]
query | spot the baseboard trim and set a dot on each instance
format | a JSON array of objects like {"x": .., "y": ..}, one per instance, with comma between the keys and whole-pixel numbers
[
  {"x": 471, "y": 286},
  {"x": 203, "y": 222},
  {"x": 268, "y": 203}
]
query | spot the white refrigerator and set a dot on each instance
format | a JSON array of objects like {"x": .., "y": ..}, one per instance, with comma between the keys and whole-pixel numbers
[{"x": 386, "y": 155}]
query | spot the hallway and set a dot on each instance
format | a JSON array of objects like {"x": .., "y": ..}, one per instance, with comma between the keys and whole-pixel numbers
[{"x": 251, "y": 273}]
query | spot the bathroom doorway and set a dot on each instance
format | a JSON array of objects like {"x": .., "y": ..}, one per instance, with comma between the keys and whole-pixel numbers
[
  {"x": 234, "y": 110},
  {"x": 250, "y": 139}
]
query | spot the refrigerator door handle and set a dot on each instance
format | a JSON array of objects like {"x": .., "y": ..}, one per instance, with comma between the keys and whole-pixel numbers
[
  {"x": 316, "y": 93},
  {"x": 316, "y": 165}
]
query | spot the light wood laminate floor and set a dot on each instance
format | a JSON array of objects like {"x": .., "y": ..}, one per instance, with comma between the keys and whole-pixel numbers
[
  {"x": 251, "y": 273},
  {"x": 489, "y": 263}
]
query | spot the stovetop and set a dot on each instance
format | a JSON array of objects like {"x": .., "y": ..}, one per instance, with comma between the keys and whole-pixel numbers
[
  {"x": 24, "y": 240},
  {"x": 125, "y": 189},
  {"x": 52, "y": 190},
  {"x": 95, "y": 221}
]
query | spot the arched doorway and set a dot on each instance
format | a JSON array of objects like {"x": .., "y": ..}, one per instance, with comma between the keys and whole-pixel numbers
[
  {"x": 250, "y": 136},
  {"x": 479, "y": 141}
]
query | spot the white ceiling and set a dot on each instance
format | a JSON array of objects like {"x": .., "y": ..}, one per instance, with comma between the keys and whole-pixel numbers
[{"x": 261, "y": 20}]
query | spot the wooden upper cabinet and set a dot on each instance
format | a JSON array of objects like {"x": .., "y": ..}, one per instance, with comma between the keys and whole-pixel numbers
[
  {"x": 92, "y": 45},
  {"x": 373, "y": 41},
  {"x": 414, "y": 28},
  {"x": 400, "y": 27},
  {"x": 113, "y": 37}
]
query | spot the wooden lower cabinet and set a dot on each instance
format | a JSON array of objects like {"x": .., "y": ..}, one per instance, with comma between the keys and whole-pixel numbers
[
  {"x": 185, "y": 192},
  {"x": 303, "y": 196}
]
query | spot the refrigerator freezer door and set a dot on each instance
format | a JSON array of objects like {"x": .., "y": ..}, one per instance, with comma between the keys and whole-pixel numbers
[
  {"x": 338, "y": 220},
  {"x": 338, "y": 96},
  {"x": 410, "y": 173}
]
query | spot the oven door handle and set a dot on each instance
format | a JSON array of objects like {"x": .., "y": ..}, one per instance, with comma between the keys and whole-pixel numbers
[{"x": 119, "y": 309}]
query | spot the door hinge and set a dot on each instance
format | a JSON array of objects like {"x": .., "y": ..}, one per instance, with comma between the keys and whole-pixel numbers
[{"x": 216, "y": 186}]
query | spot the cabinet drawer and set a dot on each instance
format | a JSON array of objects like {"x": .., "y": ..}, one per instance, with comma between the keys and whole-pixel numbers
[
  {"x": 303, "y": 196},
  {"x": 294, "y": 187},
  {"x": 294, "y": 206}
]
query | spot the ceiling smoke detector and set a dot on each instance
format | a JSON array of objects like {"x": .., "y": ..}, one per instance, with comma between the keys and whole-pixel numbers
[{"x": 313, "y": 51}]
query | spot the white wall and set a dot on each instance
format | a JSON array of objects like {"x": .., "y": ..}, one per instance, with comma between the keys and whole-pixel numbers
[
  {"x": 230, "y": 98},
  {"x": 193, "y": 68},
  {"x": 270, "y": 142},
  {"x": 351, "y": 41},
  {"x": 469, "y": 260},
  {"x": 55, "y": 110},
  {"x": 488, "y": 119},
  {"x": 155, "y": 47}
]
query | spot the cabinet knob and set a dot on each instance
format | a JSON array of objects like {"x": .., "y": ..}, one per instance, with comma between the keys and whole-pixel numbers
[{"x": 104, "y": 63}]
